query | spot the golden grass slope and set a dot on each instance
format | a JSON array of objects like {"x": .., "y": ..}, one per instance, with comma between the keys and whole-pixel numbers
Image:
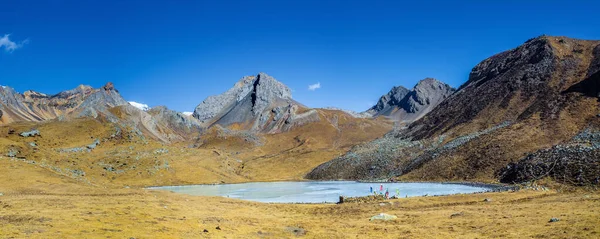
[
  {"x": 37, "y": 203},
  {"x": 128, "y": 158}
]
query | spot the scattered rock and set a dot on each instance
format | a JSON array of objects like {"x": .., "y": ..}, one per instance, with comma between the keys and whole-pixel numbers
[
  {"x": 383, "y": 217},
  {"x": 458, "y": 214},
  {"x": 487, "y": 200},
  {"x": 298, "y": 231},
  {"x": 94, "y": 144},
  {"x": 74, "y": 150},
  {"x": 87, "y": 148},
  {"x": 11, "y": 131},
  {"x": 576, "y": 162},
  {"x": 1, "y": 194},
  {"x": 32, "y": 144},
  {"x": 218, "y": 228},
  {"x": 365, "y": 199},
  {"x": 161, "y": 151},
  {"x": 12, "y": 153},
  {"x": 554, "y": 219},
  {"x": 205, "y": 230},
  {"x": 31, "y": 133}
]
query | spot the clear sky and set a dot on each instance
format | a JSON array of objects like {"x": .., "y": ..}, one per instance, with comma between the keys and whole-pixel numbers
[{"x": 176, "y": 53}]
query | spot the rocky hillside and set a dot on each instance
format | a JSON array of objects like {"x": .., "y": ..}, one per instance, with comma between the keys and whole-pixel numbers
[
  {"x": 257, "y": 103},
  {"x": 514, "y": 104},
  {"x": 79, "y": 102},
  {"x": 406, "y": 106},
  {"x": 104, "y": 104}
]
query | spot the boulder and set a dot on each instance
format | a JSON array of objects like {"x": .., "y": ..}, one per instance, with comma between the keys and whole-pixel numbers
[
  {"x": 383, "y": 217},
  {"x": 31, "y": 133}
]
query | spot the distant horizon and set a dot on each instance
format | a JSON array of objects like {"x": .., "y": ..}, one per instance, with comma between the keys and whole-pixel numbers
[{"x": 342, "y": 54}]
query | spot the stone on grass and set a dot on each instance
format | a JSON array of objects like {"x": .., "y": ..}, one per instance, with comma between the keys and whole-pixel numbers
[
  {"x": 31, "y": 133},
  {"x": 12, "y": 153},
  {"x": 383, "y": 217},
  {"x": 554, "y": 219},
  {"x": 298, "y": 231}
]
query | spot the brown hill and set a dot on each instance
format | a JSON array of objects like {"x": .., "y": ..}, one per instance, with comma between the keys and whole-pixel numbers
[
  {"x": 98, "y": 152},
  {"x": 514, "y": 104}
]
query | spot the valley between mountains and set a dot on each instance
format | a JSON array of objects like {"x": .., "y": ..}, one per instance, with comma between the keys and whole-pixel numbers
[{"x": 75, "y": 164}]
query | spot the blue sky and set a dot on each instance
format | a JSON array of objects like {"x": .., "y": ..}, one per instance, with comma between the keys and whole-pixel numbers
[{"x": 161, "y": 53}]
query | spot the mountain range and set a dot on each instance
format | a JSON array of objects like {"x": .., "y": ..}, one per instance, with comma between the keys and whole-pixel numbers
[{"x": 523, "y": 114}]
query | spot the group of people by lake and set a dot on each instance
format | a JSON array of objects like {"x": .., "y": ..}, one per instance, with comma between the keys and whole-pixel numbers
[{"x": 387, "y": 191}]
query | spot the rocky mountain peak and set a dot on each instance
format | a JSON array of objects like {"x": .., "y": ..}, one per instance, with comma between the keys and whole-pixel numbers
[
  {"x": 393, "y": 97},
  {"x": 262, "y": 90},
  {"x": 81, "y": 101},
  {"x": 30, "y": 95},
  {"x": 258, "y": 103},
  {"x": 426, "y": 92},
  {"x": 266, "y": 90},
  {"x": 536, "y": 54},
  {"x": 430, "y": 82},
  {"x": 406, "y": 105},
  {"x": 516, "y": 84},
  {"x": 109, "y": 86}
]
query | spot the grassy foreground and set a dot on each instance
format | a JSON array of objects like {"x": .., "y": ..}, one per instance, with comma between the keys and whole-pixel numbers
[{"x": 37, "y": 203}]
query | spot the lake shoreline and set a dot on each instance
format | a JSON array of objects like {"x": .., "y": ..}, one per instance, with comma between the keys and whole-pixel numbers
[{"x": 323, "y": 192}]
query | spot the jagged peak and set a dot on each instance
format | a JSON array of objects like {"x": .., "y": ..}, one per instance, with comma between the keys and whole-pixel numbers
[
  {"x": 398, "y": 88},
  {"x": 548, "y": 38},
  {"x": 31, "y": 93},
  {"x": 109, "y": 87},
  {"x": 160, "y": 108},
  {"x": 431, "y": 82},
  {"x": 84, "y": 87},
  {"x": 7, "y": 88},
  {"x": 262, "y": 88}
]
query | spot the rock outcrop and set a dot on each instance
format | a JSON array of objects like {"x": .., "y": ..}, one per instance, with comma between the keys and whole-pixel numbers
[
  {"x": 352, "y": 113},
  {"x": 178, "y": 122},
  {"x": 144, "y": 124},
  {"x": 576, "y": 162},
  {"x": 406, "y": 106},
  {"x": 258, "y": 103},
  {"x": 389, "y": 101}
]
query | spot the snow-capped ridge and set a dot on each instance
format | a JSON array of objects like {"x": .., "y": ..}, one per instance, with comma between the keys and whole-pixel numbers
[{"x": 140, "y": 106}]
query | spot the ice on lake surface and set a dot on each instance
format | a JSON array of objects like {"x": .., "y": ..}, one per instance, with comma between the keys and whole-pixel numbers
[{"x": 317, "y": 191}]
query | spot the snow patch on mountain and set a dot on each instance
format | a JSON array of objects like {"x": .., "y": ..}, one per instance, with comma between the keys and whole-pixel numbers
[{"x": 140, "y": 106}]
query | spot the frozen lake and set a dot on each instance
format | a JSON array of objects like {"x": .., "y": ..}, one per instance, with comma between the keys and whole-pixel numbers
[{"x": 318, "y": 191}]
